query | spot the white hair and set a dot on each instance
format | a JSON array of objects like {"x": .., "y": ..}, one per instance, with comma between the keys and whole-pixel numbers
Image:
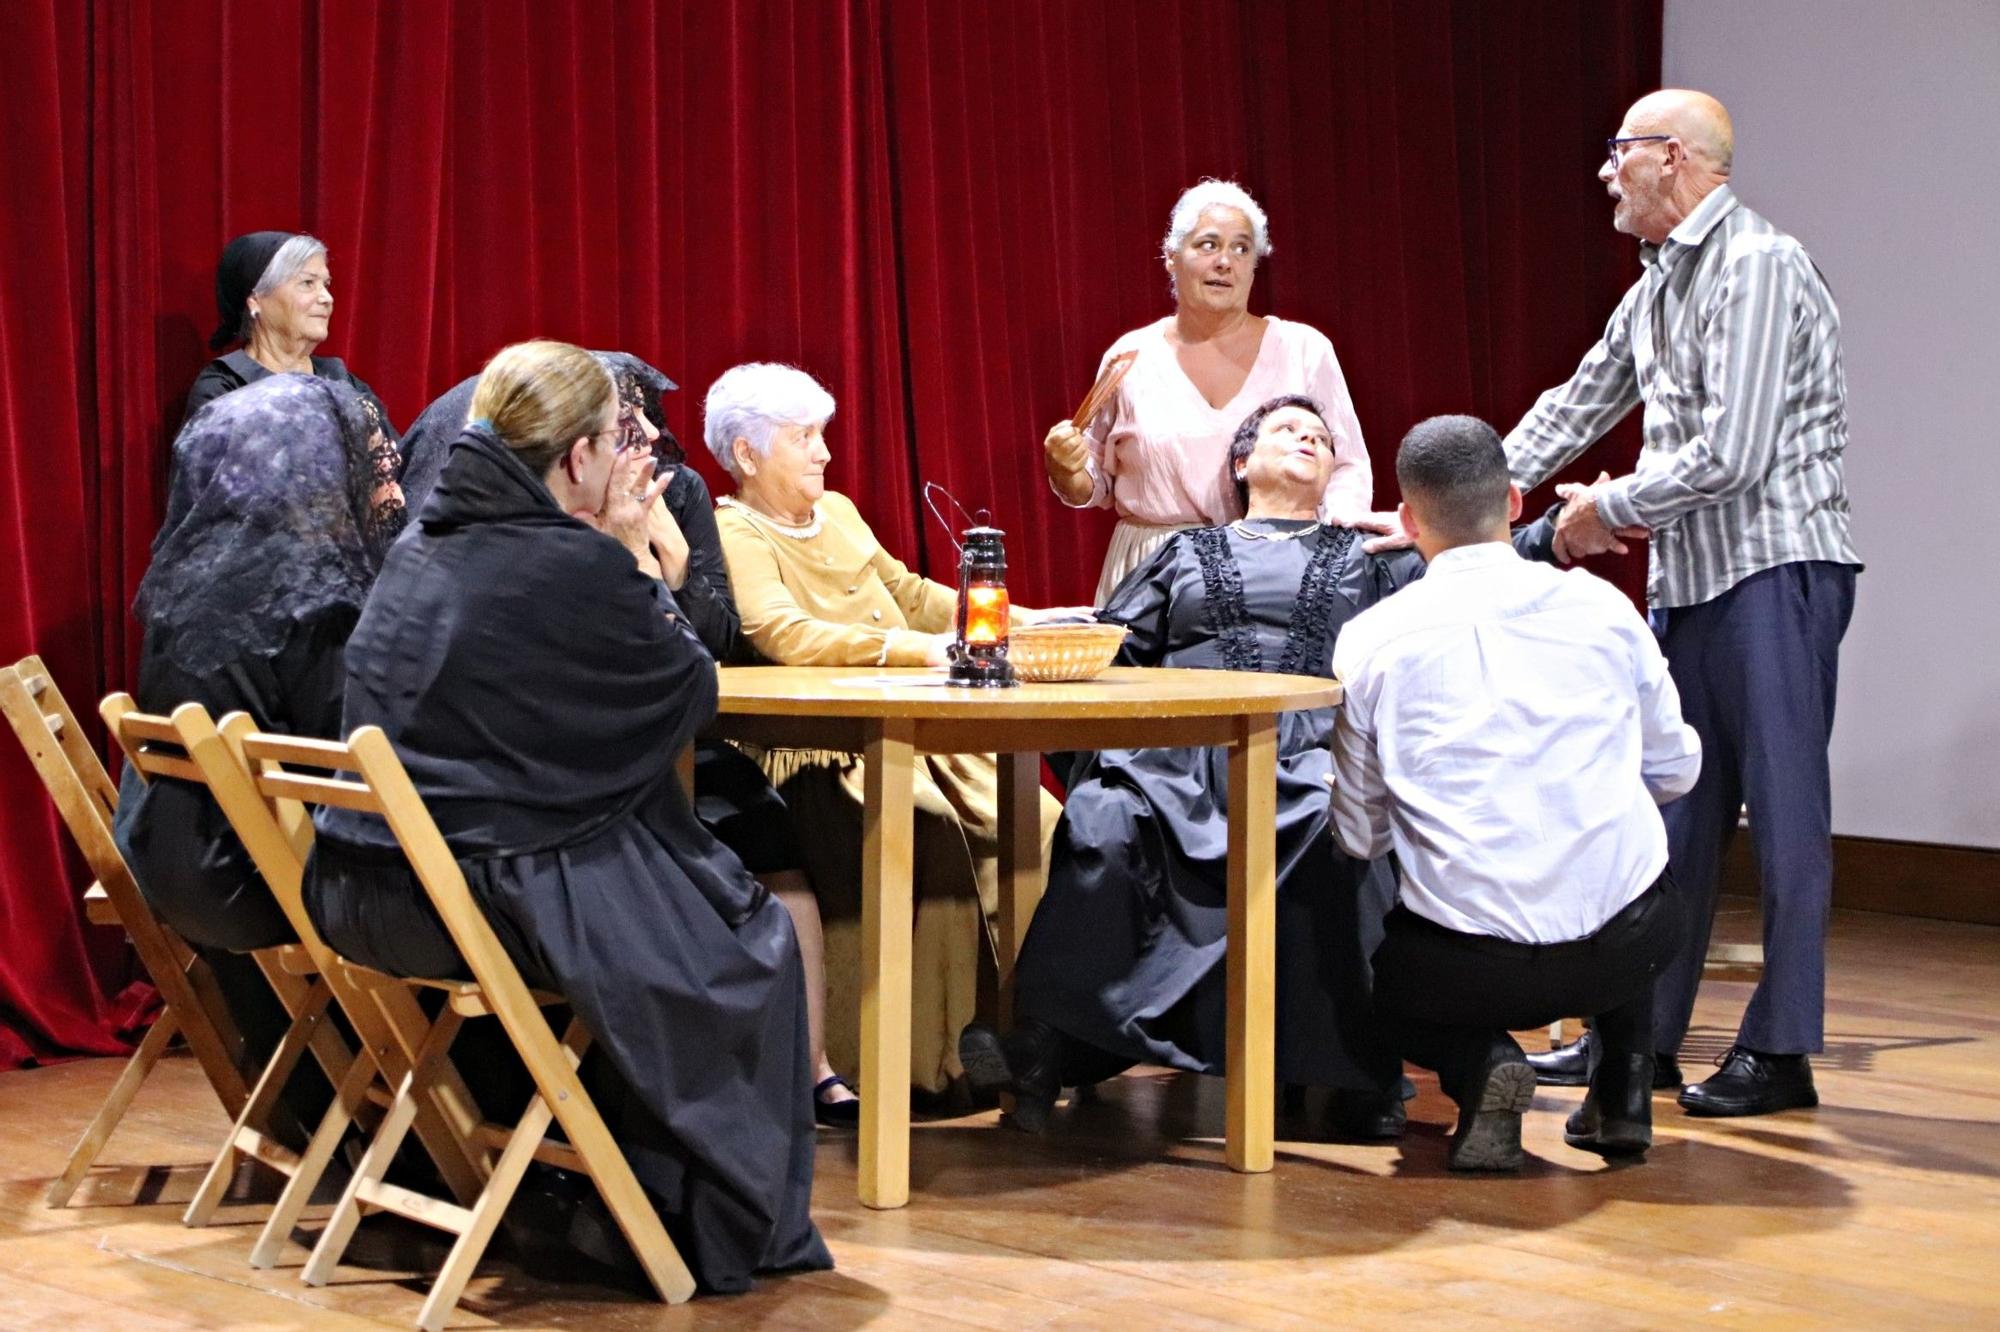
[
  {"x": 752, "y": 402},
  {"x": 292, "y": 256},
  {"x": 1212, "y": 193}
]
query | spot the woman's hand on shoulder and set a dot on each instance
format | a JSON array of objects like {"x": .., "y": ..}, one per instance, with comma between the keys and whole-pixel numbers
[{"x": 1388, "y": 522}]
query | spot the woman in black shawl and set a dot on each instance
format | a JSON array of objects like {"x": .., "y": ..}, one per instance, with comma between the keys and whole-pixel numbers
[
  {"x": 731, "y": 796},
  {"x": 276, "y": 524},
  {"x": 1123, "y": 963},
  {"x": 538, "y": 679}
]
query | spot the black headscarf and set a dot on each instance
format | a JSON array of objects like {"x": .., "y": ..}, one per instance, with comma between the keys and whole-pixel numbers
[
  {"x": 428, "y": 441},
  {"x": 243, "y": 262},
  {"x": 273, "y": 518}
]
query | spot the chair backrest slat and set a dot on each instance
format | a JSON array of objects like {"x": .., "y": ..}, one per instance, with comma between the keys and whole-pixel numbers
[
  {"x": 318, "y": 791},
  {"x": 259, "y": 746}
]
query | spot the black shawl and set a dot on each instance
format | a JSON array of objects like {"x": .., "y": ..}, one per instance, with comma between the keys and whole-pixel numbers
[{"x": 536, "y": 682}]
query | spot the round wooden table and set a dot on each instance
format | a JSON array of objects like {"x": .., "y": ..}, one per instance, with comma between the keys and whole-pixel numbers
[{"x": 891, "y": 716}]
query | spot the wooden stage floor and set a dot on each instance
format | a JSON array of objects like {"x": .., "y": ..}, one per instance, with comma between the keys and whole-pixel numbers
[{"x": 1881, "y": 1209}]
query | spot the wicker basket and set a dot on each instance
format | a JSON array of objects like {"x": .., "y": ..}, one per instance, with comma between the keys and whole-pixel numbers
[{"x": 1050, "y": 653}]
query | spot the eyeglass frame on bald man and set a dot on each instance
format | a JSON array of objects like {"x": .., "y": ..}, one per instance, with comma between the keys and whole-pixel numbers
[{"x": 1612, "y": 145}]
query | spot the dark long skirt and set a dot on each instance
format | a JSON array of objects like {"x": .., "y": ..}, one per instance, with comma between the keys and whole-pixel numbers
[
  {"x": 1127, "y": 948},
  {"x": 698, "y": 1019}
]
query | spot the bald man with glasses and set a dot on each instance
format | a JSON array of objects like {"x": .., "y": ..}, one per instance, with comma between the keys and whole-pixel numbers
[{"x": 1731, "y": 342}]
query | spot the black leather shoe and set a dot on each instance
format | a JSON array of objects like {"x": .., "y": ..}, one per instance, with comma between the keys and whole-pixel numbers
[
  {"x": 1026, "y": 1062},
  {"x": 1488, "y": 1136},
  {"x": 1750, "y": 1083},
  {"x": 1573, "y": 1064},
  {"x": 1354, "y": 1115},
  {"x": 1570, "y": 1066},
  {"x": 1616, "y": 1117}
]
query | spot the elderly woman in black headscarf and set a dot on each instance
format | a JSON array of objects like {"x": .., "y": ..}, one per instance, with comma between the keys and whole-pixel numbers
[
  {"x": 274, "y": 295},
  {"x": 276, "y": 524},
  {"x": 732, "y": 797},
  {"x": 538, "y": 678}
]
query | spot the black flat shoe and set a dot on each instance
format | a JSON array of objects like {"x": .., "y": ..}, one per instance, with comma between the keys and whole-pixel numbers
[
  {"x": 835, "y": 1114},
  {"x": 1354, "y": 1115},
  {"x": 1488, "y": 1136},
  {"x": 1750, "y": 1083},
  {"x": 1616, "y": 1117}
]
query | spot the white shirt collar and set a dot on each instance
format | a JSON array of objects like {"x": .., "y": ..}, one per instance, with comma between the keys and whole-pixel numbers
[{"x": 1479, "y": 555}]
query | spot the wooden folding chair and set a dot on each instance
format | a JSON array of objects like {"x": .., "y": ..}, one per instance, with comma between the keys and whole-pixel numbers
[
  {"x": 383, "y": 1010},
  {"x": 87, "y": 799},
  {"x": 154, "y": 749},
  {"x": 370, "y": 778}
]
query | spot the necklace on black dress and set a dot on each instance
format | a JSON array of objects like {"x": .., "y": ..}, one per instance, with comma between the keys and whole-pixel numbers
[{"x": 1241, "y": 528}]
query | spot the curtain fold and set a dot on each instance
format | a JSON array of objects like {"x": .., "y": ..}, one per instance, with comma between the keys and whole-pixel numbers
[{"x": 944, "y": 211}]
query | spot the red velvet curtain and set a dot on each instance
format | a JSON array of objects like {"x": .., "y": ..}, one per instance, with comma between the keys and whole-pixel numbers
[{"x": 944, "y": 210}]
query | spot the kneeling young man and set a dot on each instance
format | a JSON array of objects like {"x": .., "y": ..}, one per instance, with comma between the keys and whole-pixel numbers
[{"x": 1509, "y": 730}]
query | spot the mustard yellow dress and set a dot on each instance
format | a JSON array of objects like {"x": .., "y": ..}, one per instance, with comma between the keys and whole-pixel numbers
[{"x": 827, "y": 594}]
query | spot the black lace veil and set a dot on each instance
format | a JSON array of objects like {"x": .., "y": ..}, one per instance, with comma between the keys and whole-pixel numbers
[
  {"x": 282, "y": 507},
  {"x": 639, "y": 390}
]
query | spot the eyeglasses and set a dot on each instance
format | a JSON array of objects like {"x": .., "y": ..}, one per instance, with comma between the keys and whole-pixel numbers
[{"x": 1614, "y": 148}]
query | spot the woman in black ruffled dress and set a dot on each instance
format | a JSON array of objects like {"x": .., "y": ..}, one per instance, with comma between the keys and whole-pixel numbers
[{"x": 1124, "y": 961}]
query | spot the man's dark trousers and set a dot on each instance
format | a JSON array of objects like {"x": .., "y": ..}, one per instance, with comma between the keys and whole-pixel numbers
[
  {"x": 1447, "y": 999},
  {"x": 1756, "y": 669}
]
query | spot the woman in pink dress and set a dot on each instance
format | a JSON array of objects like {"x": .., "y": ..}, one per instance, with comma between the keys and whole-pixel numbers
[{"x": 1155, "y": 454}]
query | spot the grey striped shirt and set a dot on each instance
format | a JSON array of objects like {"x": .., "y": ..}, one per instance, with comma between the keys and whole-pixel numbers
[{"x": 1732, "y": 340}]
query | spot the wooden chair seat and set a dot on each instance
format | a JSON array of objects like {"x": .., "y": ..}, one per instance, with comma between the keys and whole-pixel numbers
[{"x": 468, "y": 1000}]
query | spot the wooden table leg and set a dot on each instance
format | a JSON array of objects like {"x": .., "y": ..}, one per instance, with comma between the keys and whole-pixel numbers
[
  {"x": 886, "y": 835},
  {"x": 1021, "y": 871},
  {"x": 1253, "y": 943}
]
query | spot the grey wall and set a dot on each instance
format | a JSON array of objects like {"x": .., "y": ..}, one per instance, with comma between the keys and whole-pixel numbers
[{"x": 1871, "y": 131}]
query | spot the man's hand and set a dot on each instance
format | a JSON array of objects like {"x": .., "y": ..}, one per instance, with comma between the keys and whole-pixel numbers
[{"x": 1580, "y": 529}]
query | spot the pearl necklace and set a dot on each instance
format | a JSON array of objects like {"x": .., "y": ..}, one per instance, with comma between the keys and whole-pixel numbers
[
  {"x": 796, "y": 531},
  {"x": 1248, "y": 535}
]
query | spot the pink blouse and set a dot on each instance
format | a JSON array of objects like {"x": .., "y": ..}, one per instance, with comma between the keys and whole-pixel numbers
[{"x": 1158, "y": 450}]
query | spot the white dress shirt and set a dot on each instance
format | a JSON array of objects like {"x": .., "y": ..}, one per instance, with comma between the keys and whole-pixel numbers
[{"x": 1509, "y": 729}]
